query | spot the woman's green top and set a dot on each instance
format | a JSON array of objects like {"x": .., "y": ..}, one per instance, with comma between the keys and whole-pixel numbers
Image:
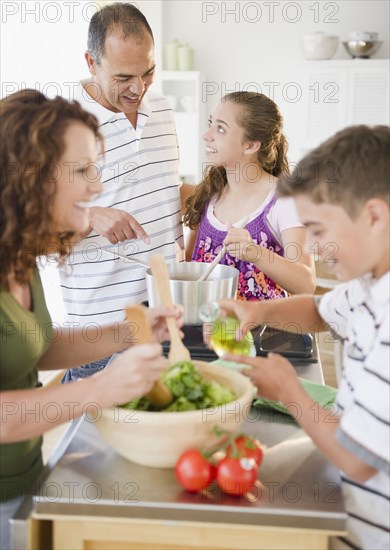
[{"x": 25, "y": 337}]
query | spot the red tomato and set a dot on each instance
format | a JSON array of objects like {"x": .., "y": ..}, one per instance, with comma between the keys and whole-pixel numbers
[
  {"x": 193, "y": 471},
  {"x": 245, "y": 446},
  {"x": 236, "y": 476}
]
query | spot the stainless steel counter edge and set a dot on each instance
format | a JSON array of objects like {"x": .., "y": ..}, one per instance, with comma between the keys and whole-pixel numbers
[
  {"x": 288, "y": 517},
  {"x": 204, "y": 511}
]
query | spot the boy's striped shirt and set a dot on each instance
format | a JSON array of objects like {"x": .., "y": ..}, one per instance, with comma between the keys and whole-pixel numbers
[{"x": 359, "y": 313}]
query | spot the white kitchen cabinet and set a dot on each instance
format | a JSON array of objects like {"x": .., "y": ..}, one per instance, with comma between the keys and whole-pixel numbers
[
  {"x": 340, "y": 93},
  {"x": 184, "y": 90}
]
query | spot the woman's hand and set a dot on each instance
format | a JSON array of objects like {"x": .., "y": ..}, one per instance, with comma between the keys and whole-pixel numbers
[
  {"x": 131, "y": 374},
  {"x": 274, "y": 376},
  {"x": 157, "y": 317},
  {"x": 239, "y": 244}
]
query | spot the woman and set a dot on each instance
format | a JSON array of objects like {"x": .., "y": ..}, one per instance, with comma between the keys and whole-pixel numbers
[{"x": 48, "y": 176}]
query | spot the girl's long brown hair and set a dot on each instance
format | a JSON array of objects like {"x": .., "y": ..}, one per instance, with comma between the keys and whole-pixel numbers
[
  {"x": 32, "y": 130},
  {"x": 261, "y": 120}
]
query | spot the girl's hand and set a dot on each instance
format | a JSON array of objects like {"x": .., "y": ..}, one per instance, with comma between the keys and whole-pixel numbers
[
  {"x": 158, "y": 322},
  {"x": 274, "y": 376},
  {"x": 239, "y": 244},
  {"x": 131, "y": 374}
]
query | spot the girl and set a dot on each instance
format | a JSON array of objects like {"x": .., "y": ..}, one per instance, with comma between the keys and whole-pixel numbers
[
  {"x": 47, "y": 155},
  {"x": 247, "y": 149}
]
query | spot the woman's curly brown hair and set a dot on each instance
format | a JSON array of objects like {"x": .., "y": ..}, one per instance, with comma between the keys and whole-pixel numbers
[
  {"x": 32, "y": 130},
  {"x": 262, "y": 121}
]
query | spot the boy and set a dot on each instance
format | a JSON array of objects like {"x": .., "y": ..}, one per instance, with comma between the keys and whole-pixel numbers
[{"x": 341, "y": 191}]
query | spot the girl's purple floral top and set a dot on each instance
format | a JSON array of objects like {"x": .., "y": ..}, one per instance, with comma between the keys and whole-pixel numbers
[{"x": 253, "y": 284}]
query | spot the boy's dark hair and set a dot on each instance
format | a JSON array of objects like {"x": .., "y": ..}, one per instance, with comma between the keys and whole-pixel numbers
[
  {"x": 124, "y": 17},
  {"x": 348, "y": 169}
]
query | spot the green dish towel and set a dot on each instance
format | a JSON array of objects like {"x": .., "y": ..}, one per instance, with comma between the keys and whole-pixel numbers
[{"x": 274, "y": 411}]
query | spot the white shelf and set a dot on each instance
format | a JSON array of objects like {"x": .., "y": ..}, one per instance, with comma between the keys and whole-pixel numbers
[{"x": 190, "y": 124}]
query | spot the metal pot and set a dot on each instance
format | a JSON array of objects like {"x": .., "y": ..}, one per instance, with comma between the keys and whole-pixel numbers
[{"x": 191, "y": 293}]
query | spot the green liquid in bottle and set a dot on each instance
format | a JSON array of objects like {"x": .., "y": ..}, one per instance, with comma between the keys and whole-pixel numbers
[{"x": 223, "y": 338}]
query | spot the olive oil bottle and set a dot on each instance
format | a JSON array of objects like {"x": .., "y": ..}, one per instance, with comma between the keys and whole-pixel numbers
[{"x": 223, "y": 332}]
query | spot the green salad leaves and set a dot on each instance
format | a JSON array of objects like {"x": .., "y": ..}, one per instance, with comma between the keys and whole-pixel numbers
[{"x": 191, "y": 391}]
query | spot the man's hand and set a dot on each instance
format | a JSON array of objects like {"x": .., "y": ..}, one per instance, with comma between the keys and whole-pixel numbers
[{"x": 116, "y": 225}]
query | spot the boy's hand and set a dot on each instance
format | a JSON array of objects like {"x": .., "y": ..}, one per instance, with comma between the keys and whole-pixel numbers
[
  {"x": 274, "y": 376},
  {"x": 248, "y": 313},
  {"x": 157, "y": 317}
]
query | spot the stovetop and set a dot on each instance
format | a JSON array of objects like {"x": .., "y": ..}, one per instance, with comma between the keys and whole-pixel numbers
[{"x": 297, "y": 347}]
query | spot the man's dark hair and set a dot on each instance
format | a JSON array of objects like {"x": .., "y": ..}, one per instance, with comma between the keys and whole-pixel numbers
[{"x": 124, "y": 17}]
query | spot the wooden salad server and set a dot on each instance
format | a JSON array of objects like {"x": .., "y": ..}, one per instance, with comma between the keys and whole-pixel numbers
[
  {"x": 177, "y": 351},
  {"x": 160, "y": 395}
]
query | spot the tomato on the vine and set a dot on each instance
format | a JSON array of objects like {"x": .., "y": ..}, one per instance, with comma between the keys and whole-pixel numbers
[
  {"x": 246, "y": 446},
  {"x": 236, "y": 476},
  {"x": 193, "y": 471}
]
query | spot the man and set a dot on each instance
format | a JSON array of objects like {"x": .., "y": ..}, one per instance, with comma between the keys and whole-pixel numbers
[{"x": 138, "y": 213}]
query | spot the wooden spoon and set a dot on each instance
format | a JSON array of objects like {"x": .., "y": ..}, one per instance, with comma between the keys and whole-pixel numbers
[
  {"x": 177, "y": 351},
  {"x": 160, "y": 395},
  {"x": 221, "y": 253}
]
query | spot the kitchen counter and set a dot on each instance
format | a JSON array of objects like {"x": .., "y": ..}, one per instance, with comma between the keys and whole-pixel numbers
[{"x": 90, "y": 497}]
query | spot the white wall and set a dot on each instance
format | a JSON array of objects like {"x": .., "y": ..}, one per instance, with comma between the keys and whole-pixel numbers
[
  {"x": 245, "y": 44},
  {"x": 43, "y": 42},
  {"x": 238, "y": 44}
]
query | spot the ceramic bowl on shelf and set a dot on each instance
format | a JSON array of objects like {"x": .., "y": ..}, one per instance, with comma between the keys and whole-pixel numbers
[
  {"x": 362, "y": 49},
  {"x": 363, "y": 35},
  {"x": 319, "y": 45},
  {"x": 157, "y": 439}
]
